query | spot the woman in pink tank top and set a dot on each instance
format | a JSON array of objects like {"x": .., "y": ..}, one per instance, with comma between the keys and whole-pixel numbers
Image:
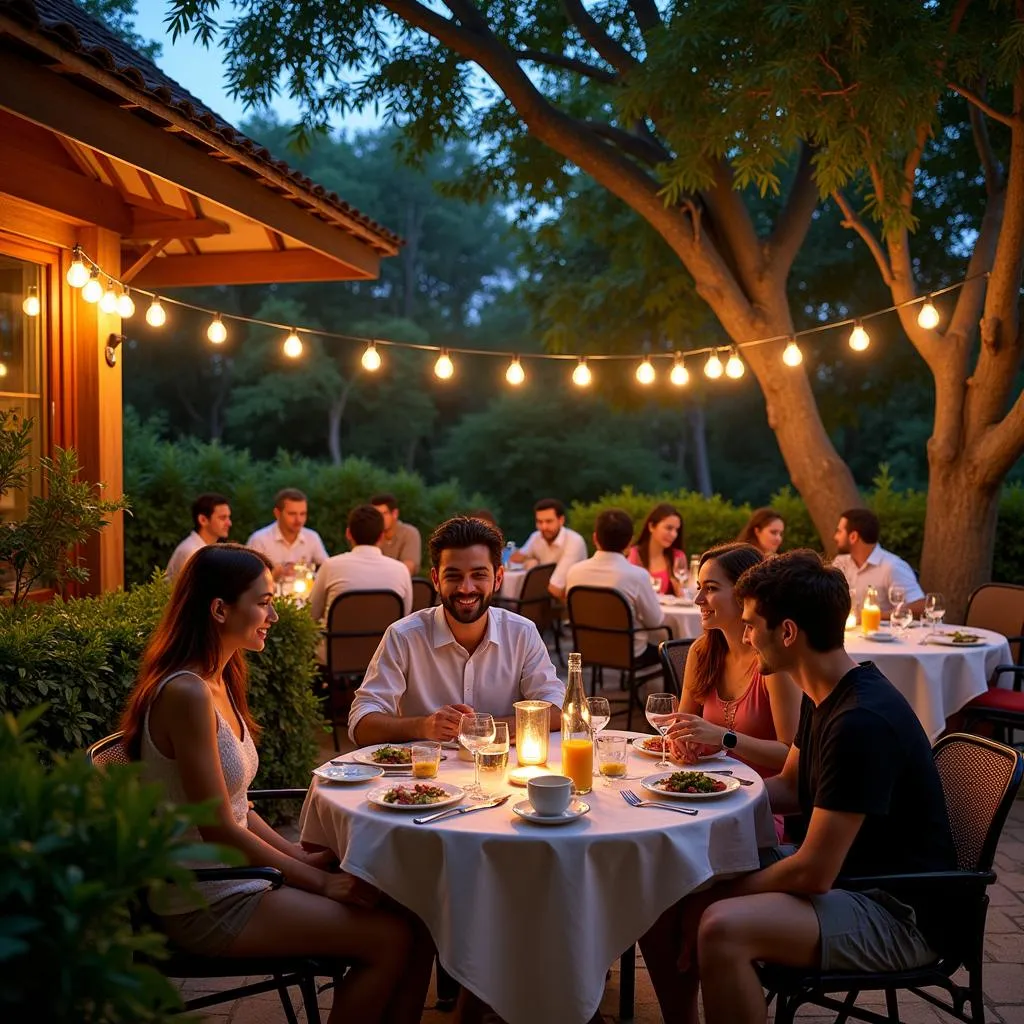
[
  {"x": 659, "y": 547},
  {"x": 726, "y": 703}
]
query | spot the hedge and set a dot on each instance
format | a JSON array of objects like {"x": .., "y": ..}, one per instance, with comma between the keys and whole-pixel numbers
[
  {"x": 163, "y": 478},
  {"x": 711, "y": 521},
  {"x": 81, "y": 657}
]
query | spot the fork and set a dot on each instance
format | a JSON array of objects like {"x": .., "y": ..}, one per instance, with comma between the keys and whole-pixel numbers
[{"x": 634, "y": 801}]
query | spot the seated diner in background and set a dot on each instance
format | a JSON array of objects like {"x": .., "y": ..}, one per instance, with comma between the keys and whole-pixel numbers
[
  {"x": 401, "y": 541},
  {"x": 659, "y": 548},
  {"x": 552, "y": 543},
  {"x": 188, "y": 722},
  {"x": 865, "y": 563},
  {"x": 866, "y": 814},
  {"x": 459, "y": 657},
  {"x": 764, "y": 530},
  {"x": 287, "y": 541},
  {"x": 211, "y": 516}
]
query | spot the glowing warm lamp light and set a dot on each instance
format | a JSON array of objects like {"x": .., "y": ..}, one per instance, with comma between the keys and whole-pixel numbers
[
  {"x": 108, "y": 300},
  {"x": 680, "y": 375},
  {"x": 443, "y": 368},
  {"x": 92, "y": 290},
  {"x": 125, "y": 305},
  {"x": 155, "y": 315},
  {"x": 791, "y": 355},
  {"x": 217, "y": 332},
  {"x": 582, "y": 376},
  {"x": 515, "y": 374},
  {"x": 3, "y": 369},
  {"x": 299, "y": 584},
  {"x": 78, "y": 272},
  {"x": 645, "y": 372},
  {"x": 859, "y": 338},
  {"x": 928, "y": 317},
  {"x": 371, "y": 358},
  {"x": 734, "y": 368},
  {"x": 713, "y": 367},
  {"x": 532, "y": 733},
  {"x": 292, "y": 347},
  {"x": 31, "y": 306}
]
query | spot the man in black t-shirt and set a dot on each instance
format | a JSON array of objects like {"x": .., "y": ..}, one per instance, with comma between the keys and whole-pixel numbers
[{"x": 861, "y": 773}]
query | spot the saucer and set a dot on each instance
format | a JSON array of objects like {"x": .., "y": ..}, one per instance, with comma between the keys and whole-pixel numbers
[
  {"x": 881, "y": 637},
  {"x": 347, "y": 772},
  {"x": 576, "y": 809}
]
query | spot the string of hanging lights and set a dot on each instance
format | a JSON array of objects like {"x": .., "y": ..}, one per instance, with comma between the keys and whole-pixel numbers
[{"x": 113, "y": 296}]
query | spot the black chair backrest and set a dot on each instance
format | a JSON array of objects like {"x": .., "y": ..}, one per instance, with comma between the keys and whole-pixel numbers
[
  {"x": 107, "y": 751},
  {"x": 980, "y": 779},
  {"x": 534, "y": 602},
  {"x": 356, "y": 623},
  {"x": 998, "y": 606},
  {"x": 602, "y": 626},
  {"x": 423, "y": 593},
  {"x": 673, "y": 655}
]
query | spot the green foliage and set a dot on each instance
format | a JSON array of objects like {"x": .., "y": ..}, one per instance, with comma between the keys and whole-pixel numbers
[
  {"x": 77, "y": 847},
  {"x": 119, "y": 17},
  {"x": 36, "y": 550},
  {"x": 82, "y": 656}
]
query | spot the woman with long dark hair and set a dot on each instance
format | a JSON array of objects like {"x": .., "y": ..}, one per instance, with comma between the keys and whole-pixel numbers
[
  {"x": 764, "y": 530},
  {"x": 188, "y": 722},
  {"x": 659, "y": 547}
]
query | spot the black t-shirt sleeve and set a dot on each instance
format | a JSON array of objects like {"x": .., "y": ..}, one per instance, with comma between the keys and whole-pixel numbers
[
  {"x": 859, "y": 764},
  {"x": 803, "y": 729}
]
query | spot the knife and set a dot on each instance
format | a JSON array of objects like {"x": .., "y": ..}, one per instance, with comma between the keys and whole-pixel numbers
[{"x": 464, "y": 809}]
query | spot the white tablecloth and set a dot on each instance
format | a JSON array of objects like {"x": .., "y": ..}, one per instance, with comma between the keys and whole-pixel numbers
[
  {"x": 529, "y": 917},
  {"x": 512, "y": 584},
  {"x": 937, "y": 680},
  {"x": 682, "y": 619}
]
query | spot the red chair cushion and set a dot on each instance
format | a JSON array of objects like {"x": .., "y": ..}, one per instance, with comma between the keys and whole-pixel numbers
[{"x": 998, "y": 699}]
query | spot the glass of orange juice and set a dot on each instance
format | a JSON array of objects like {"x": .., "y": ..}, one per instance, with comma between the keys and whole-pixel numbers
[
  {"x": 426, "y": 758},
  {"x": 611, "y": 757},
  {"x": 578, "y": 763}
]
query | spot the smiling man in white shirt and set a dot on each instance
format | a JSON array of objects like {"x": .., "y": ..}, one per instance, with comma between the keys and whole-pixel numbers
[
  {"x": 288, "y": 541},
  {"x": 461, "y": 656},
  {"x": 552, "y": 542},
  {"x": 211, "y": 516}
]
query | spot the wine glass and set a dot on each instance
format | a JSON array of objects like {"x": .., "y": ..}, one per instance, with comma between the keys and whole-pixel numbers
[
  {"x": 900, "y": 618},
  {"x": 656, "y": 584},
  {"x": 681, "y": 573},
  {"x": 475, "y": 732},
  {"x": 897, "y": 595},
  {"x": 934, "y": 609},
  {"x": 660, "y": 708},
  {"x": 600, "y": 716}
]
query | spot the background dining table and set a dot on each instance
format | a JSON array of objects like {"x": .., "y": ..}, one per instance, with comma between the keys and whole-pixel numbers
[
  {"x": 529, "y": 917},
  {"x": 682, "y": 617}
]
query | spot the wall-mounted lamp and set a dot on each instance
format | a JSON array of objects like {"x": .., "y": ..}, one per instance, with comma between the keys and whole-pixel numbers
[{"x": 110, "y": 352}]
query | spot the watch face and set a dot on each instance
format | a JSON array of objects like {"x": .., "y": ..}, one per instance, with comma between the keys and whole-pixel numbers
[{"x": 729, "y": 740}]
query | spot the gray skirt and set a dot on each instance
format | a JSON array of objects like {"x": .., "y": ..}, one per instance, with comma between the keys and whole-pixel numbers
[{"x": 212, "y": 930}]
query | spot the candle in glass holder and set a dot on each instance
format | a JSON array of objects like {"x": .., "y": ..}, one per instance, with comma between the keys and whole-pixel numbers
[{"x": 532, "y": 730}]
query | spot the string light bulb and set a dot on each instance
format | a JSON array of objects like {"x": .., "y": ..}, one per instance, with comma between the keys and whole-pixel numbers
[
  {"x": 108, "y": 300},
  {"x": 444, "y": 368},
  {"x": 31, "y": 307},
  {"x": 125, "y": 305},
  {"x": 78, "y": 272},
  {"x": 734, "y": 367},
  {"x": 3, "y": 369},
  {"x": 217, "y": 332},
  {"x": 292, "y": 346},
  {"x": 859, "y": 337},
  {"x": 155, "y": 315},
  {"x": 371, "y": 358},
  {"x": 92, "y": 290},
  {"x": 928, "y": 317},
  {"x": 515, "y": 374},
  {"x": 713, "y": 367},
  {"x": 680, "y": 375},
  {"x": 645, "y": 372},
  {"x": 581, "y": 376},
  {"x": 791, "y": 355}
]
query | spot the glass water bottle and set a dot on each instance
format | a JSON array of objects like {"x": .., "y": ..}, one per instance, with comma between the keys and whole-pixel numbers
[{"x": 577, "y": 735}]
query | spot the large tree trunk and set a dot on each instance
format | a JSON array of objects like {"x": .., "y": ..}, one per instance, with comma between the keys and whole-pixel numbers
[
  {"x": 335, "y": 415},
  {"x": 699, "y": 441}
]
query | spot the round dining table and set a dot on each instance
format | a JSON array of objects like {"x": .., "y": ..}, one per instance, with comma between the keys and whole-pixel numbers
[
  {"x": 682, "y": 617},
  {"x": 529, "y": 917},
  {"x": 512, "y": 582}
]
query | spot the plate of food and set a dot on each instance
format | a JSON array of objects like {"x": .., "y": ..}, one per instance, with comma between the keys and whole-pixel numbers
[
  {"x": 340, "y": 772},
  {"x": 415, "y": 796},
  {"x": 385, "y": 755},
  {"x": 689, "y": 785},
  {"x": 650, "y": 746},
  {"x": 961, "y": 638}
]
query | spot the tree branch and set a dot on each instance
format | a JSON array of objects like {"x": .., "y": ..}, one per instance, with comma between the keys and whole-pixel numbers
[
  {"x": 911, "y": 164},
  {"x": 610, "y": 49},
  {"x": 983, "y": 144},
  {"x": 649, "y": 151},
  {"x": 852, "y": 220},
  {"x": 580, "y": 67},
  {"x": 646, "y": 14},
  {"x": 795, "y": 220},
  {"x": 986, "y": 108}
]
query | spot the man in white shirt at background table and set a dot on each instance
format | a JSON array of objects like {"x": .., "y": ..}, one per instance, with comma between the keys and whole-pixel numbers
[
  {"x": 211, "y": 516},
  {"x": 552, "y": 542},
  {"x": 461, "y": 656},
  {"x": 288, "y": 541}
]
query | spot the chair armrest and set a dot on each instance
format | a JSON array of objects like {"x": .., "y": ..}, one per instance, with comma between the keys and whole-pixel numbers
[
  {"x": 271, "y": 875},
  {"x": 918, "y": 879},
  {"x": 255, "y": 795},
  {"x": 1018, "y": 674}
]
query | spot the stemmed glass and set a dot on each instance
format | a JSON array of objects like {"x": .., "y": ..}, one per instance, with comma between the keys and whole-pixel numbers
[
  {"x": 900, "y": 618},
  {"x": 656, "y": 584},
  {"x": 934, "y": 610},
  {"x": 600, "y": 716},
  {"x": 476, "y": 731},
  {"x": 897, "y": 595},
  {"x": 681, "y": 573},
  {"x": 660, "y": 708}
]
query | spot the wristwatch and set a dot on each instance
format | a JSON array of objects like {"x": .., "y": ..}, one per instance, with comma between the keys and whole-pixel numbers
[{"x": 729, "y": 740}]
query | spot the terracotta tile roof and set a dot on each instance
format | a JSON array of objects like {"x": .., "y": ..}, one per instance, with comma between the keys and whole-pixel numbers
[{"x": 66, "y": 25}]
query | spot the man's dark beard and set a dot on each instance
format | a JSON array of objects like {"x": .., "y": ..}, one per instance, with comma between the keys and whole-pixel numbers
[{"x": 460, "y": 616}]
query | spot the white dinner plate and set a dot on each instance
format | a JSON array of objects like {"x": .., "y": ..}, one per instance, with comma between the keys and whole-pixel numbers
[
  {"x": 637, "y": 742},
  {"x": 649, "y": 783},
  {"x": 946, "y": 640},
  {"x": 347, "y": 772},
  {"x": 455, "y": 794},
  {"x": 576, "y": 809},
  {"x": 880, "y": 637},
  {"x": 365, "y": 756}
]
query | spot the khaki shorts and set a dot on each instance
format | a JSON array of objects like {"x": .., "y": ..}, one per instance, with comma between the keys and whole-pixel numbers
[
  {"x": 863, "y": 931},
  {"x": 212, "y": 930}
]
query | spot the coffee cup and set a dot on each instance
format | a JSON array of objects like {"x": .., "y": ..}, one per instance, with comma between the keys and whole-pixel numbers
[{"x": 550, "y": 794}]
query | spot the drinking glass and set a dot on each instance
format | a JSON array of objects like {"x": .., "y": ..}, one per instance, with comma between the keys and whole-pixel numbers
[
  {"x": 475, "y": 732},
  {"x": 934, "y": 609},
  {"x": 681, "y": 573},
  {"x": 493, "y": 759},
  {"x": 656, "y": 584},
  {"x": 897, "y": 595},
  {"x": 611, "y": 757},
  {"x": 660, "y": 708},
  {"x": 426, "y": 759},
  {"x": 900, "y": 618},
  {"x": 600, "y": 715}
]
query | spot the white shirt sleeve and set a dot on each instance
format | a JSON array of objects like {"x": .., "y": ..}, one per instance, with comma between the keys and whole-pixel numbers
[
  {"x": 903, "y": 576},
  {"x": 318, "y": 596},
  {"x": 575, "y": 550},
  {"x": 527, "y": 549},
  {"x": 648, "y": 608},
  {"x": 538, "y": 680},
  {"x": 384, "y": 684}
]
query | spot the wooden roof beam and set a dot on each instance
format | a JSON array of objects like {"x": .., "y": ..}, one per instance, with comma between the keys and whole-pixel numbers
[
  {"x": 238, "y": 268},
  {"x": 143, "y": 229}
]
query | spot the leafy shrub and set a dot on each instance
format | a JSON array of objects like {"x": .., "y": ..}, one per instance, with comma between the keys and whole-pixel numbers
[
  {"x": 81, "y": 656},
  {"x": 164, "y": 479},
  {"x": 77, "y": 846}
]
